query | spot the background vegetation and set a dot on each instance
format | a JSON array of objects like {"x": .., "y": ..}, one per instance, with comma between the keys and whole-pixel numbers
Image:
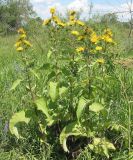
[{"x": 117, "y": 90}]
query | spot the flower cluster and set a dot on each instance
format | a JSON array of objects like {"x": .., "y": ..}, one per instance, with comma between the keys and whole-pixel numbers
[
  {"x": 89, "y": 42},
  {"x": 54, "y": 19},
  {"x": 107, "y": 36},
  {"x": 73, "y": 20},
  {"x": 22, "y": 43}
]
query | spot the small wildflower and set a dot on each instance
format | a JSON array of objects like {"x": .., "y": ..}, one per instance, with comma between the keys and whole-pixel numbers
[
  {"x": 94, "y": 38},
  {"x": 71, "y": 23},
  {"x": 62, "y": 24},
  {"x": 20, "y": 49},
  {"x": 108, "y": 32},
  {"x": 21, "y": 31},
  {"x": 100, "y": 61},
  {"x": 98, "y": 48},
  {"x": 18, "y": 43},
  {"x": 75, "y": 33},
  {"x": 80, "y": 49},
  {"x": 52, "y": 10},
  {"x": 107, "y": 39},
  {"x": 80, "y": 23},
  {"x": 23, "y": 36},
  {"x": 88, "y": 30},
  {"x": 72, "y": 18},
  {"x": 27, "y": 43},
  {"x": 46, "y": 22},
  {"x": 72, "y": 13}
]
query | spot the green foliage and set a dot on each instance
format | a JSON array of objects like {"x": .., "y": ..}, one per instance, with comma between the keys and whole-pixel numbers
[
  {"x": 15, "y": 84},
  {"x": 13, "y": 14},
  {"x": 96, "y": 107},
  {"x": 17, "y": 118},
  {"x": 69, "y": 101}
]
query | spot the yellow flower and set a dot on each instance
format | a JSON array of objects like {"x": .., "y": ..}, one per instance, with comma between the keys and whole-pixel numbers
[
  {"x": 88, "y": 30},
  {"x": 72, "y": 18},
  {"x": 72, "y": 13},
  {"x": 61, "y": 24},
  {"x": 75, "y": 33},
  {"x": 101, "y": 61},
  {"x": 52, "y": 10},
  {"x": 80, "y": 49},
  {"x": 27, "y": 43},
  {"x": 55, "y": 18},
  {"x": 20, "y": 49},
  {"x": 80, "y": 23},
  {"x": 98, "y": 48},
  {"x": 94, "y": 38},
  {"x": 108, "y": 32},
  {"x": 23, "y": 36},
  {"x": 107, "y": 39},
  {"x": 18, "y": 43},
  {"x": 21, "y": 31},
  {"x": 46, "y": 22},
  {"x": 71, "y": 23}
]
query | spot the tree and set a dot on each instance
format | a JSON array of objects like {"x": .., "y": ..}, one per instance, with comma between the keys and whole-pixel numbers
[
  {"x": 109, "y": 18},
  {"x": 15, "y": 13}
]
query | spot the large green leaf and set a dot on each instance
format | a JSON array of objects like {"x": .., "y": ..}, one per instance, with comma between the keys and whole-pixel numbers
[
  {"x": 16, "y": 118},
  {"x": 53, "y": 90},
  {"x": 72, "y": 129},
  {"x": 96, "y": 107},
  {"x": 15, "y": 84},
  {"x": 101, "y": 146},
  {"x": 81, "y": 106},
  {"x": 42, "y": 106}
]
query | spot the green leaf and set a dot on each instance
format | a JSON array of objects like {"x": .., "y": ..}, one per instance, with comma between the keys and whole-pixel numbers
[
  {"x": 81, "y": 106},
  {"x": 101, "y": 146},
  {"x": 63, "y": 91},
  {"x": 49, "y": 54},
  {"x": 96, "y": 107},
  {"x": 53, "y": 91},
  {"x": 15, "y": 84},
  {"x": 72, "y": 129},
  {"x": 34, "y": 73},
  {"x": 16, "y": 118},
  {"x": 42, "y": 106}
]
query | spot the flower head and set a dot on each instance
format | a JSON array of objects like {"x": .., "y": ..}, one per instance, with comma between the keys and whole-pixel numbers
[
  {"x": 23, "y": 36},
  {"x": 107, "y": 38},
  {"x": 18, "y": 43},
  {"x": 21, "y": 31},
  {"x": 100, "y": 61},
  {"x": 20, "y": 49},
  {"x": 98, "y": 48},
  {"x": 52, "y": 10},
  {"x": 80, "y": 23},
  {"x": 27, "y": 43},
  {"x": 75, "y": 33},
  {"x": 46, "y": 22},
  {"x": 80, "y": 49},
  {"x": 72, "y": 13},
  {"x": 94, "y": 38}
]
